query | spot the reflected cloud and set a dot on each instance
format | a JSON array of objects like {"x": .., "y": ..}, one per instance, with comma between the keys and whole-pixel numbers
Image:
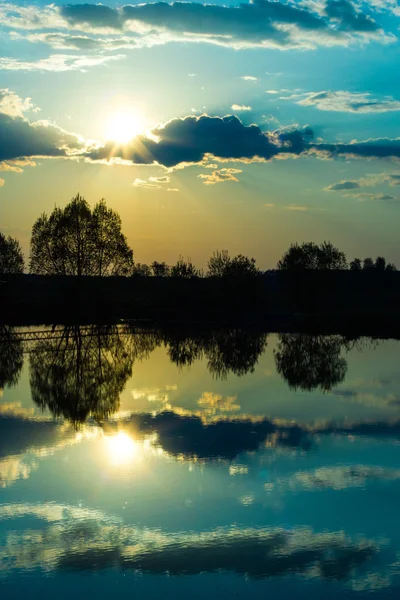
[
  {"x": 212, "y": 405},
  {"x": 82, "y": 540},
  {"x": 189, "y": 437},
  {"x": 24, "y": 442},
  {"x": 338, "y": 478}
]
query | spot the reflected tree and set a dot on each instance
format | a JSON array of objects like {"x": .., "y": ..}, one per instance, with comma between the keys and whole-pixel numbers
[
  {"x": 82, "y": 372},
  {"x": 235, "y": 351},
  {"x": 11, "y": 357},
  {"x": 226, "y": 351},
  {"x": 308, "y": 362}
]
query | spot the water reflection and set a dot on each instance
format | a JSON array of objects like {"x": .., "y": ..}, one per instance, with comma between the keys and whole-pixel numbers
[
  {"x": 84, "y": 540},
  {"x": 308, "y": 362},
  {"x": 226, "y": 351},
  {"x": 189, "y": 437},
  {"x": 188, "y": 473},
  {"x": 11, "y": 357},
  {"x": 81, "y": 372}
]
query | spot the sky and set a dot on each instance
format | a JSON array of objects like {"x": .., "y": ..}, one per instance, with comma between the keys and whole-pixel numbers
[{"x": 242, "y": 126}]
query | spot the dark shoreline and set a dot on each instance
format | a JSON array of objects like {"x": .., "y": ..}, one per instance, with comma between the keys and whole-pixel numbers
[{"x": 353, "y": 304}]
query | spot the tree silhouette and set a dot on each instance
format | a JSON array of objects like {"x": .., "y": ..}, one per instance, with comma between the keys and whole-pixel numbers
[
  {"x": 141, "y": 270},
  {"x": 11, "y": 257},
  {"x": 380, "y": 263},
  {"x": 308, "y": 362},
  {"x": 312, "y": 256},
  {"x": 81, "y": 372},
  {"x": 368, "y": 264},
  {"x": 356, "y": 265},
  {"x": 391, "y": 267},
  {"x": 184, "y": 269},
  {"x": 76, "y": 240},
  {"x": 11, "y": 357},
  {"x": 160, "y": 269},
  {"x": 222, "y": 265}
]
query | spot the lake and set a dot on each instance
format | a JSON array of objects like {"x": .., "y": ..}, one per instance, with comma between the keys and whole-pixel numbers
[{"x": 167, "y": 464}]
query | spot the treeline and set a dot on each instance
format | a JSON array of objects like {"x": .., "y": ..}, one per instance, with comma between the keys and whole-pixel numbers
[{"x": 80, "y": 241}]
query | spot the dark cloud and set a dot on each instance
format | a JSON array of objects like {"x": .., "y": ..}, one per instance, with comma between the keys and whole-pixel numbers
[
  {"x": 21, "y": 139},
  {"x": 187, "y": 140},
  {"x": 343, "y": 185},
  {"x": 348, "y": 17},
  {"x": 394, "y": 179},
  {"x": 374, "y": 148},
  {"x": 260, "y": 22},
  {"x": 190, "y": 139}
]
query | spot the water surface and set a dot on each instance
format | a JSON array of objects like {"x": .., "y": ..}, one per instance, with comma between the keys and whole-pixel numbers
[{"x": 190, "y": 463}]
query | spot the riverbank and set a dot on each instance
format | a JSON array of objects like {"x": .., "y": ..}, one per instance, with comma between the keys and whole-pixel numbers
[{"x": 335, "y": 301}]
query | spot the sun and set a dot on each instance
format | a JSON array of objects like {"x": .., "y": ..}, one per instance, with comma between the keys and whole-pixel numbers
[
  {"x": 121, "y": 448},
  {"x": 122, "y": 126}
]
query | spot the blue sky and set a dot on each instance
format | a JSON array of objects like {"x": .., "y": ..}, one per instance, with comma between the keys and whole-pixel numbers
[{"x": 131, "y": 103}]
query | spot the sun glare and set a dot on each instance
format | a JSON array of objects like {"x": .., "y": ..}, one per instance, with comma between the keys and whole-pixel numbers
[
  {"x": 121, "y": 127},
  {"x": 121, "y": 448}
]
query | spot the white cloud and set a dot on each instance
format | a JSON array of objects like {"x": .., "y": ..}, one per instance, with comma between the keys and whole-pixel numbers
[
  {"x": 220, "y": 176},
  {"x": 11, "y": 104},
  {"x": 145, "y": 184},
  {"x": 240, "y": 107},
  {"x": 343, "y": 101},
  {"x": 57, "y": 63}
]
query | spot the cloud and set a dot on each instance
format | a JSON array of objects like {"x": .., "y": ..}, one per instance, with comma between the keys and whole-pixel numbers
[
  {"x": 57, "y": 63},
  {"x": 172, "y": 190},
  {"x": 260, "y": 23},
  {"x": 271, "y": 92},
  {"x": 366, "y": 182},
  {"x": 145, "y": 184},
  {"x": 394, "y": 179},
  {"x": 20, "y": 139},
  {"x": 190, "y": 139},
  {"x": 164, "y": 179},
  {"x": 11, "y": 104},
  {"x": 372, "y": 148},
  {"x": 178, "y": 143},
  {"x": 1, "y": 182},
  {"x": 343, "y": 185},
  {"x": 67, "y": 41},
  {"x": 384, "y": 197},
  {"x": 220, "y": 176},
  {"x": 250, "y": 78},
  {"x": 348, "y": 17},
  {"x": 296, "y": 207},
  {"x": 240, "y": 107},
  {"x": 15, "y": 166},
  {"x": 342, "y": 101}
]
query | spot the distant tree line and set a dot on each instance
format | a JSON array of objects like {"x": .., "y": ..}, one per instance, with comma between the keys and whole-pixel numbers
[{"x": 78, "y": 240}]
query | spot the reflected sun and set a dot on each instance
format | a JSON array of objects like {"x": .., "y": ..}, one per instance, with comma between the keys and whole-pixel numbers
[
  {"x": 121, "y": 127},
  {"x": 121, "y": 448}
]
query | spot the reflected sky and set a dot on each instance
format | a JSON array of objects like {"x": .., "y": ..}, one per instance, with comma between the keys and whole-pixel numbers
[{"x": 195, "y": 482}]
